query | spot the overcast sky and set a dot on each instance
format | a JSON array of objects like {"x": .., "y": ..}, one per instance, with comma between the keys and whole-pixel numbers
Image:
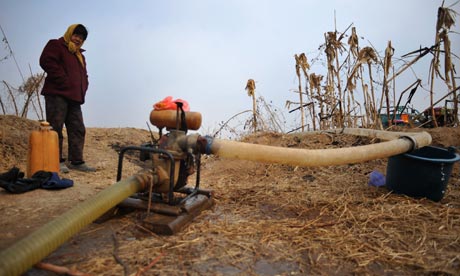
[{"x": 204, "y": 51}]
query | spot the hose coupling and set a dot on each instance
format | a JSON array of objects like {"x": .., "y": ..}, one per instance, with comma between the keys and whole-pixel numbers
[
  {"x": 205, "y": 143},
  {"x": 413, "y": 140}
]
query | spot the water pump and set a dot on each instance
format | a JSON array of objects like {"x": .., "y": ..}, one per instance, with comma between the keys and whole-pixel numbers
[{"x": 170, "y": 200}]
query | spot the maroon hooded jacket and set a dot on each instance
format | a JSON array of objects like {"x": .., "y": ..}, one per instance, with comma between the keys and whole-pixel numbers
[{"x": 65, "y": 75}]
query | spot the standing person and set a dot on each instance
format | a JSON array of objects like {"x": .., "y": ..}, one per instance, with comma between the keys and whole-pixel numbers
[{"x": 64, "y": 90}]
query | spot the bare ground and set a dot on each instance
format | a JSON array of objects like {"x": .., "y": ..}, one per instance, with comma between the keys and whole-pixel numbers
[{"x": 267, "y": 219}]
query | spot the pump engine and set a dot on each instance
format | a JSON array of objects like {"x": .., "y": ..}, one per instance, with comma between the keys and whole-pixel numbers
[{"x": 171, "y": 201}]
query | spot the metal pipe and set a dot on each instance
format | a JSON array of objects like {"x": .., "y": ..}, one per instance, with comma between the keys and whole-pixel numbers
[
  {"x": 399, "y": 142},
  {"x": 22, "y": 255}
]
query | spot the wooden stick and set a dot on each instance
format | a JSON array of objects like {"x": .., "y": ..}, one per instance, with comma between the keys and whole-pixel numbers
[
  {"x": 59, "y": 269},
  {"x": 115, "y": 253},
  {"x": 152, "y": 263}
]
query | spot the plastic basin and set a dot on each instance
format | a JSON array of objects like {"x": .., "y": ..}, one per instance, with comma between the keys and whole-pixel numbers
[{"x": 421, "y": 173}]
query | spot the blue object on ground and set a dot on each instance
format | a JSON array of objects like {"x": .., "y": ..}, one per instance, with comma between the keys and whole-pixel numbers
[
  {"x": 376, "y": 179},
  {"x": 57, "y": 183}
]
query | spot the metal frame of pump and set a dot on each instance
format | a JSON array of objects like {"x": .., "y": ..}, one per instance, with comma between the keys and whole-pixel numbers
[{"x": 180, "y": 150}]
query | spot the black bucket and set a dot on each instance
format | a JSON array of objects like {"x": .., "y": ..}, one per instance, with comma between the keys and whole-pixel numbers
[{"x": 421, "y": 173}]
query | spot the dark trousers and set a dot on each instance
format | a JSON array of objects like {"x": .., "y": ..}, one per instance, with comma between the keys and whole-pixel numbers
[{"x": 60, "y": 111}]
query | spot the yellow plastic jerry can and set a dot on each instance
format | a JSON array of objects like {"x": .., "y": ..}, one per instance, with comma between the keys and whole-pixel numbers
[{"x": 43, "y": 150}]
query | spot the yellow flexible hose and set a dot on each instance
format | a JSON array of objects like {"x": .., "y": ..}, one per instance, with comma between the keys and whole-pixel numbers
[
  {"x": 399, "y": 142},
  {"x": 22, "y": 255}
]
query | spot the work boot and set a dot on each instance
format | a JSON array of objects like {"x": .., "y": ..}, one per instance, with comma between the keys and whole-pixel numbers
[
  {"x": 81, "y": 167},
  {"x": 63, "y": 168}
]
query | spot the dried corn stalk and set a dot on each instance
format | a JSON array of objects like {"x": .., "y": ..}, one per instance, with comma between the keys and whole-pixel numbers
[
  {"x": 251, "y": 87},
  {"x": 389, "y": 51},
  {"x": 333, "y": 47},
  {"x": 446, "y": 18},
  {"x": 315, "y": 85},
  {"x": 444, "y": 22},
  {"x": 353, "y": 42},
  {"x": 368, "y": 55},
  {"x": 301, "y": 63},
  {"x": 353, "y": 50}
]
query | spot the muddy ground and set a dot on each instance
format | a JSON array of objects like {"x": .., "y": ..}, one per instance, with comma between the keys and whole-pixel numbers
[{"x": 266, "y": 220}]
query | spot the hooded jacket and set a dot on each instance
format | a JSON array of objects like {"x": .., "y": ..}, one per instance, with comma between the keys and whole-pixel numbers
[{"x": 65, "y": 75}]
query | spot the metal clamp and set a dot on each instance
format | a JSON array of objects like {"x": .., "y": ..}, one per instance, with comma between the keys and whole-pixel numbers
[{"x": 413, "y": 140}]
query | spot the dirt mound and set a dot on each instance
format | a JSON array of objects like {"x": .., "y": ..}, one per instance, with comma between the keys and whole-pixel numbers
[
  {"x": 445, "y": 137},
  {"x": 14, "y": 138},
  {"x": 268, "y": 219}
]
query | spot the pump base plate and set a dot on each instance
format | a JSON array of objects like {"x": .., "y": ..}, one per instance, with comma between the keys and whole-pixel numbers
[
  {"x": 167, "y": 219},
  {"x": 169, "y": 225}
]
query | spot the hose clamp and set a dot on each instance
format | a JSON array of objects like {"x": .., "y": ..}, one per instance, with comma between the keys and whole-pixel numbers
[
  {"x": 209, "y": 141},
  {"x": 413, "y": 140}
]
